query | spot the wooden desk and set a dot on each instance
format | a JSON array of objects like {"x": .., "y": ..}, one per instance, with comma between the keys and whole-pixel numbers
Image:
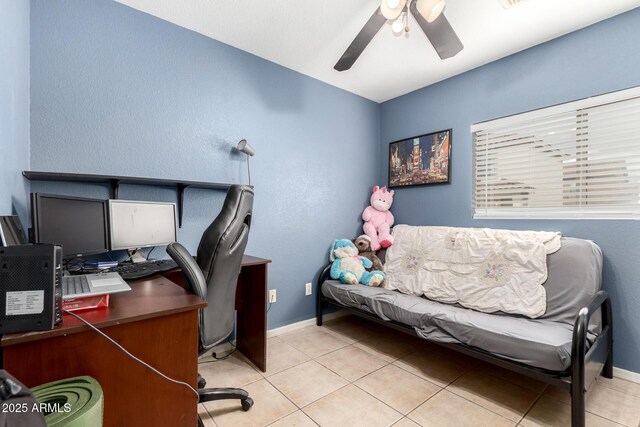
[
  {"x": 251, "y": 307},
  {"x": 156, "y": 321}
]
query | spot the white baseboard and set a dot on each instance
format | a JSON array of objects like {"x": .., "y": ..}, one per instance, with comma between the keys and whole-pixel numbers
[
  {"x": 303, "y": 324},
  {"x": 626, "y": 375}
]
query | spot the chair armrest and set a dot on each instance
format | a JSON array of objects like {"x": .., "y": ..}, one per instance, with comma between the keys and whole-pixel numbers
[{"x": 195, "y": 279}]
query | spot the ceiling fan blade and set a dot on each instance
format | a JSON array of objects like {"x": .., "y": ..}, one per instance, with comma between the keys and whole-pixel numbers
[
  {"x": 440, "y": 33},
  {"x": 361, "y": 41}
]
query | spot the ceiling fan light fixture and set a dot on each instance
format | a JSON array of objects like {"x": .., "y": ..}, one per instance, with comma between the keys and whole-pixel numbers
[
  {"x": 508, "y": 4},
  {"x": 440, "y": 33},
  {"x": 391, "y": 9},
  {"x": 430, "y": 9},
  {"x": 397, "y": 27}
]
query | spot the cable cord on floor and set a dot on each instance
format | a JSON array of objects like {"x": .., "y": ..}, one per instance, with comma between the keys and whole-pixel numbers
[
  {"x": 219, "y": 359},
  {"x": 108, "y": 338}
]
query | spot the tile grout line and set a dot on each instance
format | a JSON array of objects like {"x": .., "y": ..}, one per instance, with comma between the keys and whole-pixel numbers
[
  {"x": 533, "y": 404},
  {"x": 281, "y": 418},
  {"x": 264, "y": 374},
  {"x": 311, "y": 358},
  {"x": 546, "y": 385},
  {"x": 284, "y": 416},
  {"x": 295, "y": 404},
  {"x": 376, "y": 370},
  {"x": 435, "y": 394},
  {"x": 282, "y": 392},
  {"x": 444, "y": 386},
  {"x": 477, "y": 404},
  {"x": 561, "y": 402},
  {"x": 311, "y": 403},
  {"x": 397, "y": 410},
  {"x": 346, "y": 379},
  {"x": 384, "y": 403},
  {"x": 208, "y": 413},
  {"x": 618, "y": 390},
  {"x": 349, "y": 382}
]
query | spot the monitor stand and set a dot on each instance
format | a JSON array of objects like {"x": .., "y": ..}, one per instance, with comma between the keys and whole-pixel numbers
[{"x": 136, "y": 256}]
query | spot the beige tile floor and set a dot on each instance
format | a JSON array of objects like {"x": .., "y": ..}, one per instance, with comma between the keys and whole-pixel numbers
[{"x": 354, "y": 373}]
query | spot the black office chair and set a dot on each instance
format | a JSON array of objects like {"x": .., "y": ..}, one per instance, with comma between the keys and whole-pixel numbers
[{"x": 214, "y": 275}]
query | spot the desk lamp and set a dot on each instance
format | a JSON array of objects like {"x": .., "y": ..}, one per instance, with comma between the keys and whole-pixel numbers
[{"x": 247, "y": 149}]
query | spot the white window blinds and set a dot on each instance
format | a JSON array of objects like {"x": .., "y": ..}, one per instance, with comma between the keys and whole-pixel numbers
[{"x": 575, "y": 160}]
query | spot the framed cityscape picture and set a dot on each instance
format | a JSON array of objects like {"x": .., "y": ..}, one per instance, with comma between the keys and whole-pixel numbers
[{"x": 421, "y": 160}]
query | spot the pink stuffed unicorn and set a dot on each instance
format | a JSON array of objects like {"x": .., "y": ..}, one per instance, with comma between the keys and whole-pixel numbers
[{"x": 377, "y": 218}]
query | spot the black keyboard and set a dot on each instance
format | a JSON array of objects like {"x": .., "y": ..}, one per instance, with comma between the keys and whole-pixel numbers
[{"x": 145, "y": 269}]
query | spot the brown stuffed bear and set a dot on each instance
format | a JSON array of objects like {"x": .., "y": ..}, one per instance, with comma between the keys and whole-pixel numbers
[{"x": 363, "y": 243}]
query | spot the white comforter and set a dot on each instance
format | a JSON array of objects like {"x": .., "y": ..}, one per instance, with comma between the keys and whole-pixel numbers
[{"x": 483, "y": 269}]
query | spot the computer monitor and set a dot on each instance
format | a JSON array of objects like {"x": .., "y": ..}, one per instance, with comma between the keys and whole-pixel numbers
[
  {"x": 78, "y": 224},
  {"x": 134, "y": 224},
  {"x": 11, "y": 233}
]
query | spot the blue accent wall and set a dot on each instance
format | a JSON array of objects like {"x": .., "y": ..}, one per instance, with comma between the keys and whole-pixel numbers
[
  {"x": 598, "y": 59},
  {"x": 14, "y": 107},
  {"x": 117, "y": 91}
]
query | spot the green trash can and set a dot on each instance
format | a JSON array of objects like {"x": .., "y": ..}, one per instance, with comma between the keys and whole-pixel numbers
[{"x": 73, "y": 402}]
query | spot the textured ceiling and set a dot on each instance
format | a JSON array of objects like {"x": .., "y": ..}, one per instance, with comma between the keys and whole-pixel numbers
[{"x": 309, "y": 36}]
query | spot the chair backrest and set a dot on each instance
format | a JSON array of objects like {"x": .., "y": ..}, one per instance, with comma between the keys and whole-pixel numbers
[{"x": 219, "y": 257}]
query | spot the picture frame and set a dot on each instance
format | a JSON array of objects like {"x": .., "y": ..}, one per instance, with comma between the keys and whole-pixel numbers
[{"x": 420, "y": 160}]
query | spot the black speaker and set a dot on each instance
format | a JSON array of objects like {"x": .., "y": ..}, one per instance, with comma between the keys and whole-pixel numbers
[{"x": 30, "y": 288}]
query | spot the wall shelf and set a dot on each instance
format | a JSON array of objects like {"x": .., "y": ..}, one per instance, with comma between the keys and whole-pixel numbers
[{"x": 114, "y": 181}]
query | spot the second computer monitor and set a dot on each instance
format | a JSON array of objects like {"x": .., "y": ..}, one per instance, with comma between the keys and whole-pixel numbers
[{"x": 134, "y": 224}]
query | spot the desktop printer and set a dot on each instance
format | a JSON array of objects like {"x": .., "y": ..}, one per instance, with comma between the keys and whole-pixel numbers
[{"x": 30, "y": 291}]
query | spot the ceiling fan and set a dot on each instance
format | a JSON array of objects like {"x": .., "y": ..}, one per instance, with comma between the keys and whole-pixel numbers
[{"x": 428, "y": 14}]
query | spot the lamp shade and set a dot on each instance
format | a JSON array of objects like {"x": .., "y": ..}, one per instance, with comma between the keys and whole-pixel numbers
[
  {"x": 246, "y": 148},
  {"x": 391, "y": 9},
  {"x": 430, "y": 9}
]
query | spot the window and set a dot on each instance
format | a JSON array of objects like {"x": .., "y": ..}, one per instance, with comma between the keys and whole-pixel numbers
[{"x": 575, "y": 160}]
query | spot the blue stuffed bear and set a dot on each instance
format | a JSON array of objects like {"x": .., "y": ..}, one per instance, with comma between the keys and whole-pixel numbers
[{"x": 349, "y": 267}]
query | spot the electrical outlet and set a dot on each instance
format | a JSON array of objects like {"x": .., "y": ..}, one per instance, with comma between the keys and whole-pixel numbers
[
  {"x": 272, "y": 295},
  {"x": 307, "y": 289}
]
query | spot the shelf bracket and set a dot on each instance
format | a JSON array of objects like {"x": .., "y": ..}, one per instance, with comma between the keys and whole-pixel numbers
[
  {"x": 181, "y": 188},
  {"x": 115, "y": 185}
]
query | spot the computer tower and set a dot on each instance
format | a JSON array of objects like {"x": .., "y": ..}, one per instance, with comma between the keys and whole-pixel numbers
[{"x": 30, "y": 288}]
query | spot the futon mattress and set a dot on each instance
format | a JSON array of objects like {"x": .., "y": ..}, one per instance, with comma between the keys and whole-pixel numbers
[{"x": 540, "y": 343}]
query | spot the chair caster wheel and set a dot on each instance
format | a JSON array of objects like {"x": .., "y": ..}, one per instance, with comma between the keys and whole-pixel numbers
[
  {"x": 201, "y": 383},
  {"x": 247, "y": 404}
]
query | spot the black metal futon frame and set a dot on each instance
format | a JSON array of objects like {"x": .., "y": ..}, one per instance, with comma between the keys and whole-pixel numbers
[{"x": 587, "y": 361}]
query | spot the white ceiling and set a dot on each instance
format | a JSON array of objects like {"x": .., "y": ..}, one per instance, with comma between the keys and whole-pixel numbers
[{"x": 309, "y": 36}]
